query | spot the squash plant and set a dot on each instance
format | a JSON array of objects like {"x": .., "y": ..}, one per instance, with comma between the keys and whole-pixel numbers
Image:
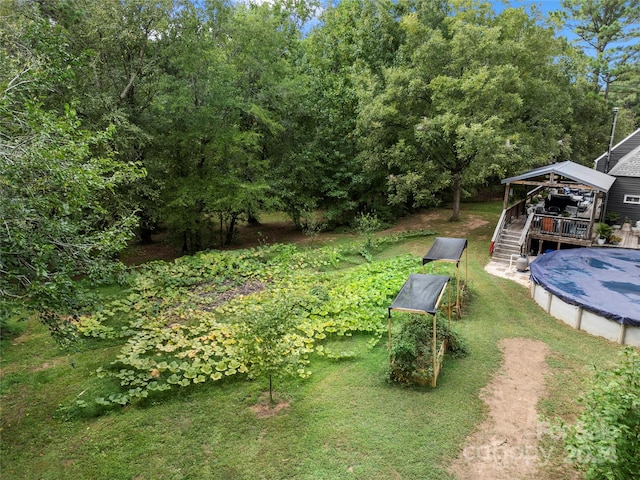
[{"x": 178, "y": 335}]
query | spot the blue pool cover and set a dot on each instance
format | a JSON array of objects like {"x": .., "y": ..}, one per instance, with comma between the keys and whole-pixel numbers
[{"x": 603, "y": 280}]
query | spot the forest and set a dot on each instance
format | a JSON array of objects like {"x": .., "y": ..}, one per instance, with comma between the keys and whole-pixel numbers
[{"x": 121, "y": 117}]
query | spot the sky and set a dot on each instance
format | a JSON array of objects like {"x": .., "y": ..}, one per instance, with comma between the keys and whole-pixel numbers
[{"x": 545, "y": 6}]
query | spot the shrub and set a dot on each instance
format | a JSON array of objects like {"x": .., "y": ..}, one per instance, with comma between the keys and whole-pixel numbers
[
  {"x": 604, "y": 442},
  {"x": 612, "y": 218},
  {"x": 412, "y": 349},
  {"x": 366, "y": 224}
]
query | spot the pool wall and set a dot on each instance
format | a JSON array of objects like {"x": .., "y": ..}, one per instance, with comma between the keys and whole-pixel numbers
[{"x": 583, "y": 319}]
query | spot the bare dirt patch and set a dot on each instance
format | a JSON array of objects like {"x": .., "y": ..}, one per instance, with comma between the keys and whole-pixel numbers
[
  {"x": 505, "y": 446},
  {"x": 206, "y": 297},
  {"x": 50, "y": 364},
  {"x": 160, "y": 249},
  {"x": 265, "y": 408},
  {"x": 247, "y": 236},
  {"x": 269, "y": 233},
  {"x": 210, "y": 300},
  {"x": 440, "y": 218}
]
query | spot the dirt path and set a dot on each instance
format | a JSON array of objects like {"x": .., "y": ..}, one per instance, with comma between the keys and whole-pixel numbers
[
  {"x": 285, "y": 232},
  {"x": 426, "y": 221},
  {"x": 505, "y": 446}
]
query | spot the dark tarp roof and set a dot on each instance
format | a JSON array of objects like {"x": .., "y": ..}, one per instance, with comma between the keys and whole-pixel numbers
[
  {"x": 445, "y": 249},
  {"x": 420, "y": 293},
  {"x": 603, "y": 280},
  {"x": 573, "y": 171}
]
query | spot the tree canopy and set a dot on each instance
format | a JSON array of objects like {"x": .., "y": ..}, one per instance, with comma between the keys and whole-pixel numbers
[
  {"x": 608, "y": 31},
  {"x": 121, "y": 117},
  {"x": 61, "y": 214}
]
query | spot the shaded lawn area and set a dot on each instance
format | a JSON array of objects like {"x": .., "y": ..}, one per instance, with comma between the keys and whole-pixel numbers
[{"x": 345, "y": 421}]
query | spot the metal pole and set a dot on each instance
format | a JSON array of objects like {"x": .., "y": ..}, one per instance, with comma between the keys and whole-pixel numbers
[
  {"x": 605, "y": 200},
  {"x": 613, "y": 130}
]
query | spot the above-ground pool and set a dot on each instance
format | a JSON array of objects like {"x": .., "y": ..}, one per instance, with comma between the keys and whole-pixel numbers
[{"x": 593, "y": 289}]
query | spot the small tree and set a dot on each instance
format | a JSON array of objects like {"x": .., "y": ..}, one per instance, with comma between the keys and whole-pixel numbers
[
  {"x": 366, "y": 224},
  {"x": 604, "y": 442},
  {"x": 272, "y": 347}
]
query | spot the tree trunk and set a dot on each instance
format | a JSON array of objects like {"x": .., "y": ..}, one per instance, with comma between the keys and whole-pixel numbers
[
  {"x": 231, "y": 229},
  {"x": 270, "y": 388},
  {"x": 185, "y": 243},
  {"x": 145, "y": 235},
  {"x": 252, "y": 220},
  {"x": 457, "y": 193},
  {"x": 221, "y": 228}
]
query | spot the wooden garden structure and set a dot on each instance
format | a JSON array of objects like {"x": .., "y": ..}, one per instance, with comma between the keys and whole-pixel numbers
[
  {"x": 423, "y": 294},
  {"x": 446, "y": 249}
]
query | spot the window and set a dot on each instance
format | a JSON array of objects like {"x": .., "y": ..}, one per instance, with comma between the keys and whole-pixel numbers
[{"x": 635, "y": 199}]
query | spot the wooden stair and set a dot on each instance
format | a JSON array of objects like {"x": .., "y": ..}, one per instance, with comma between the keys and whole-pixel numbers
[{"x": 508, "y": 241}]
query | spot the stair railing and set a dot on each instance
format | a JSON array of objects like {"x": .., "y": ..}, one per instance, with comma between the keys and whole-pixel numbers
[
  {"x": 496, "y": 232},
  {"x": 508, "y": 214},
  {"x": 525, "y": 231}
]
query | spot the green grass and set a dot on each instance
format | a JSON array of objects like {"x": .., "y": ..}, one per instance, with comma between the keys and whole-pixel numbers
[{"x": 345, "y": 421}]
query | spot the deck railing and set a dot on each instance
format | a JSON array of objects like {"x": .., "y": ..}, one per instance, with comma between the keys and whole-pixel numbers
[{"x": 570, "y": 227}]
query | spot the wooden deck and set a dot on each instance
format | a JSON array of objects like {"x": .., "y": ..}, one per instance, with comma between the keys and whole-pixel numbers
[
  {"x": 533, "y": 232},
  {"x": 629, "y": 240}
]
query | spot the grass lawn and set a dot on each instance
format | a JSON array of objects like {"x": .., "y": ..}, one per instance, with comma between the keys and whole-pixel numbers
[{"x": 343, "y": 422}]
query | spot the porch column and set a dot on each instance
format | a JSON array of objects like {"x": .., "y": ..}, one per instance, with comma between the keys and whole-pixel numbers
[
  {"x": 596, "y": 197},
  {"x": 506, "y": 196}
]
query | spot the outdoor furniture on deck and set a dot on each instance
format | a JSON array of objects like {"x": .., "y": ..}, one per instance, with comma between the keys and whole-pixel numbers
[
  {"x": 553, "y": 211},
  {"x": 573, "y": 211}
]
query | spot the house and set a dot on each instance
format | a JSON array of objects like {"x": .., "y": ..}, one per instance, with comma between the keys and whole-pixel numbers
[{"x": 623, "y": 163}]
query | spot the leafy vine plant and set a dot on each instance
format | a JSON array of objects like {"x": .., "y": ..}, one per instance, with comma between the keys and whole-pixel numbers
[
  {"x": 178, "y": 333},
  {"x": 603, "y": 442}
]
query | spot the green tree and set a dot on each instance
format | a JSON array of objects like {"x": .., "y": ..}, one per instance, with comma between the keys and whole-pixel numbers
[
  {"x": 272, "y": 347},
  {"x": 116, "y": 79},
  {"x": 479, "y": 95},
  {"x": 608, "y": 34},
  {"x": 354, "y": 43},
  {"x": 59, "y": 214},
  {"x": 226, "y": 96}
]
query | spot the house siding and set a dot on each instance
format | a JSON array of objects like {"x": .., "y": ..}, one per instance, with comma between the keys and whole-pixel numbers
[
  {"x": 615, "y": 201},
  {"x": 624, "y": 164}
]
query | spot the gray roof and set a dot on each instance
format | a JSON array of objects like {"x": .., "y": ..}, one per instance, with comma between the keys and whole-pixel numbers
[
  {"x": 618, "y": 152},
  {"x": 573, "y": 171},
  {"x": 628, "y": 166}
]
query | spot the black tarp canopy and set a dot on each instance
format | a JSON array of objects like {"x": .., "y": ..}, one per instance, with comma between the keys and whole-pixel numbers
[
  {"x": 448, "y": 249},
  {"x": 444, "y": 248},
  {"x": 420, "y": 294}
]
